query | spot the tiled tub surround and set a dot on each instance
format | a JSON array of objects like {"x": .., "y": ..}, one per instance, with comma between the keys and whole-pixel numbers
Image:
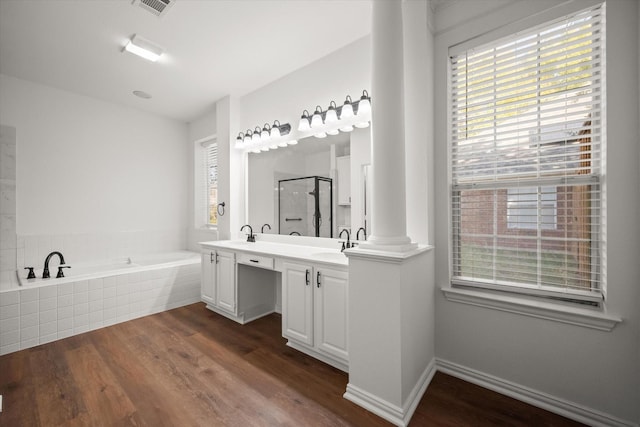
[{"x": 43, "y": 311}]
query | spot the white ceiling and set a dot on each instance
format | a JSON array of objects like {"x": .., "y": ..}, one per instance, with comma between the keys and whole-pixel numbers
[{"x": 213, "y": 47}]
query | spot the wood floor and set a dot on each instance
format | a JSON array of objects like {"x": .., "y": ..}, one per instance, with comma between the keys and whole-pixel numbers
[{"x": 191, "y": 367}]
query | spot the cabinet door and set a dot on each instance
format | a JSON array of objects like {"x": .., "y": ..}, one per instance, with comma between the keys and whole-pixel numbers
[
  {"x": 331, "y": 316},
  {"x": 226, "y": 281},
  {"x": 297, "y": 302},
  {"x": 208, "y": 279}
]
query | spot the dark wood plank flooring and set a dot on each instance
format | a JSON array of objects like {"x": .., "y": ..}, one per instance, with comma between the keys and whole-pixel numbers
[{"x": 191, "y": 367}]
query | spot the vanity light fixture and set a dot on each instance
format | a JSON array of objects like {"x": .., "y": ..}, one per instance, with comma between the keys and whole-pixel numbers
[
  {"x": 268, "y": 137},
  {"x": 144, "y": 48},
  {"x": 337, "y": 119}
]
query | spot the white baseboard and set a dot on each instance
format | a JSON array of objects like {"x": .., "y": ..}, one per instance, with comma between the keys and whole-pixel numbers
[
  {"x": 536, "y": 398},
  {"x": 390, "y": 412}
]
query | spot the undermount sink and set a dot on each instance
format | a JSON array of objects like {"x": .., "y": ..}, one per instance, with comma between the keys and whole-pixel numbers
[{"x": 329, "y": 256}]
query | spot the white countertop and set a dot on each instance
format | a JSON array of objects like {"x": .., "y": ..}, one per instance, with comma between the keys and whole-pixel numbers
[{"x": 304, "y": 252}]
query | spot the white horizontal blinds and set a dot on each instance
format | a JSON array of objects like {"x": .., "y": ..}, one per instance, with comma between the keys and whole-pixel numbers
[
  {"x": 211, "y": 179},
  {"x": 526, "y": 157}
]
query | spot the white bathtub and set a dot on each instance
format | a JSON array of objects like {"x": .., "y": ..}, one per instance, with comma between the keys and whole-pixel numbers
[
  {"x": 94, "y": 295},
  {"x": 115, "y": 267}
]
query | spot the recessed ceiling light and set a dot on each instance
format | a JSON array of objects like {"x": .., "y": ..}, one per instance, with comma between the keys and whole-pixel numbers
[
  {"x": 143, "y": 48},
  {"x": 141, "y": 94}
]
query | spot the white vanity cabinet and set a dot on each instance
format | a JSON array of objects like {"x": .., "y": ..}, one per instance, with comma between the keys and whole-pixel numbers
[
  {"x": 314, "y": 310},
  {"x": 218, "y": 285}
]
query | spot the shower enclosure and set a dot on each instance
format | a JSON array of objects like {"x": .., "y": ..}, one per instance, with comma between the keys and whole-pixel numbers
[{"x": 305, "y": 206}]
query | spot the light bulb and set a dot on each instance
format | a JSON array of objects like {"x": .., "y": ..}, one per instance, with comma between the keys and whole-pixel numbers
[
  {"x": 275, "y": 129},
  {"x": 247, "y": 136},
  {"x": 364, "y": 106},
  {"x": 316, "y": 120},
  {"x": 347, "y": 128},
  {"x": 333, "y": 132},
  {"x": 292, "y": 142},
  {"x": 264, "y": 135},
  {"x": 303, "y": 125},
  {"x": 362, "y": 125},
  {"x": 320, "y": 135},
  {"x": 347, "y": 109},
  {"x": 331, "y": 116}
]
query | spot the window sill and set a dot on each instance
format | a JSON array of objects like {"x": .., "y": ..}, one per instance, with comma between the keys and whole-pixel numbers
[{"x": 541, "y": 309}]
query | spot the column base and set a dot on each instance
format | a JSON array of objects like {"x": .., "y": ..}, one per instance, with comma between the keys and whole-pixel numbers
[{"x": 389, "y": 244}]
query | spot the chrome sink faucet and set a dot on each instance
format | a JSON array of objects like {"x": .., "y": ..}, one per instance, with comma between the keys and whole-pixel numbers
[
  {"x": 250, "y": 237},
  {"x": 45, "y": 272}
]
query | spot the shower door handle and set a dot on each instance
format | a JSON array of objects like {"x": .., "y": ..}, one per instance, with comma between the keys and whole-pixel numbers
[{"x": 293, "y": 219}]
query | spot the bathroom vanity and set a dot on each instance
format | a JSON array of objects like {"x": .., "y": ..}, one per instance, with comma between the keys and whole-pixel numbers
[{"x": 307, "y": 279}]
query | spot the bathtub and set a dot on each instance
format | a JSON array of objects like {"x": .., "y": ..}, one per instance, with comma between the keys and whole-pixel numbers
[
  {"x": 115, "y": 267},
  {"x": 94, "y": 295}
]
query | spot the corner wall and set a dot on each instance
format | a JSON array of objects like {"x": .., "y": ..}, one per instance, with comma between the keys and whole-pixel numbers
[{"x": 86, "y": 167}]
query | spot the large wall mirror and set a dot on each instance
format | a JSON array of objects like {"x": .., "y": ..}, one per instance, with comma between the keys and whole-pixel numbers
[{"x": 316, "y": 188}]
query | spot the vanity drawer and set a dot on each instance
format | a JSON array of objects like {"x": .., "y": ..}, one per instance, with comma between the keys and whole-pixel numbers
[{"x": 255, "y": 260}]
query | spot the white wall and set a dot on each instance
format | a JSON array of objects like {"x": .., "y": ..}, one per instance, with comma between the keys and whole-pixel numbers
[
  {"x": 593, "y": 369},
  {"x": 89, "y": 166},
  {"x": 346, "y": 71}
]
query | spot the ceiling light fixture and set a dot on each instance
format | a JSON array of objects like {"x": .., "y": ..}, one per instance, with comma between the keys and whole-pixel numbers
[
  {"x": 265, "y": 138},
  {"x": 337, "y": 119},
  {"x": 143, "y": 48}
]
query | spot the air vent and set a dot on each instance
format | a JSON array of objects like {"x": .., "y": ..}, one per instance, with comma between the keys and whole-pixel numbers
[{"x": 158, "y": 7}]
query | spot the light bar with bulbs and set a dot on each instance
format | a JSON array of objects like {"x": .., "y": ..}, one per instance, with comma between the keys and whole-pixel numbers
[
  {"x": 268, "y": 137},
  {"x": 336, "y": 119}
]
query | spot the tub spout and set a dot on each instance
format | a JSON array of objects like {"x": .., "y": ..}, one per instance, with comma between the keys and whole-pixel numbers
[{"x": 45, "y": 272}]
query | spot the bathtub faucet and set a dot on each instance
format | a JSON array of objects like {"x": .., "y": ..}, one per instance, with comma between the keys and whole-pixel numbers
[{"x": 45, "y": 272}]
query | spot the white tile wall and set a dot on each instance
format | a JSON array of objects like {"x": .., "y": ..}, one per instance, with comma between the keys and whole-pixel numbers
[
  {"x": 29, "y": 317},
  {"x": 31, "y": 250}
]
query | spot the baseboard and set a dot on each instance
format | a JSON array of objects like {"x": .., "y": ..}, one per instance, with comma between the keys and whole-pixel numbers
[
  {"x": 536, "y": 398},
  {"x": 390, "y": 412},
  {"x": 320, "y": 356}
]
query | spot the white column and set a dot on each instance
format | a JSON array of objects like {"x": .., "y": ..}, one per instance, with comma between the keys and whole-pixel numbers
[{"x": 389, "y": 229}]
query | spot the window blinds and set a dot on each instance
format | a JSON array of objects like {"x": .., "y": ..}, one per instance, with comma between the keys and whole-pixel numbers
[
  {"x": 210, "y": 178},
  {"x": 526, "y": 159}
]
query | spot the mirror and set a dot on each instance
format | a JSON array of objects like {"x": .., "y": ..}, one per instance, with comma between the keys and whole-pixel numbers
[{"x": 314, "y": 188}]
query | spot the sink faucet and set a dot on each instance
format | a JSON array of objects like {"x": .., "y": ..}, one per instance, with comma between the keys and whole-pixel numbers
[
  {"x": 358, "y": 233},
  {"x": 265, "y": 225},
  {"x": 45, "y": 272},
  {"x": 250, "y": 237},
  {"x": 348, "y": 245}
]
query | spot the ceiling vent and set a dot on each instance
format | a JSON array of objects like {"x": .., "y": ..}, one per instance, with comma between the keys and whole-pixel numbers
[{"x": 158, "y": 7}]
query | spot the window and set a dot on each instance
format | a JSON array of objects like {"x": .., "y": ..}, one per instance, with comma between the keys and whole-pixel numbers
[
  {"x": 211, "y": 170},
  {"x": 526, "y": 160},
  {"x": 206, "y": 182}
]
